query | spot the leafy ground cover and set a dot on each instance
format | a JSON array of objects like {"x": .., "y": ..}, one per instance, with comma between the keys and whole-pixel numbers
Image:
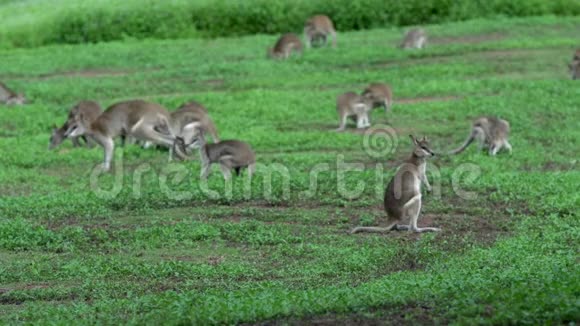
[{"x": 160, "y": 248}]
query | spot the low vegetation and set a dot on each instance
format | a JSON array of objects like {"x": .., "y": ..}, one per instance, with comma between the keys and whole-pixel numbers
[
  {"x": 75, "y": 248},
  {"x": 42, "y": 22}
]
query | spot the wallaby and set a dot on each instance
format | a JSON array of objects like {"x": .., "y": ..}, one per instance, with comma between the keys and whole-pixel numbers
[
  {"x": 90, "y": 111},
  {"x": 416, "y": 38},
  {"x": 9, "y": 97},
  {"x": 230, "y": 154},
  {"x": 284, "y": 47},
  {"x": 187, "y": 114},
  {"x": 135, "y": 118},
  {"x": 354, "y": 106},
  {"x": 403, "y": 194},
  {"x": 380, "y": 94},
  {"x": 576, "y": 55},
  {"x": 490, "y": 132},
  {"x": 318, "y": 28},
  {"x": 575, "y": 69}
]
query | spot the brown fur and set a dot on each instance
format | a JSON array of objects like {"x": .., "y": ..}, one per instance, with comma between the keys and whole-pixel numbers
[
  {"x": 354, "y": 106},
  {"x": 402, "y": 199},
  {"x": 230, "y": 154},
  {"x": 491, "y": 132},
  {"x": 319, "y": 27},
  {"x": 136, "y": 118},
  {"x": 84, "y": 112},
  {"x": 285, "y": 45},
  {"x": 380, "y": 94},
  {"x": 9, "y": 97},
  {"x": 415, "y": 38}
]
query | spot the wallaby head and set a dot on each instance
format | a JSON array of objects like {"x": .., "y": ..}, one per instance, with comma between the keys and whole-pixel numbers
[
  {"x": 422, "y": 149},
  {"x": 318, "y": 28},
  {"x": 57, "y": 136},
  {"x": 76, "y": 127},
  {"x": 415, "y": 38}
]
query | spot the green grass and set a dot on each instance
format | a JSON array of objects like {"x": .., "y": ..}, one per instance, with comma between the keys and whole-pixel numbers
[
  {"x": 31, "y": 23},
  {"x": 508, "y": 256}
]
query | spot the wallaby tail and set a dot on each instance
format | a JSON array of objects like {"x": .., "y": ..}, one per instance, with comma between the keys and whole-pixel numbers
[
  {"x": 372, "y": 229},
  {"x": 467, "y": 142}
]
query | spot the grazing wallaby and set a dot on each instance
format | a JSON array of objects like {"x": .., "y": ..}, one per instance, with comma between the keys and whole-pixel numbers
[
  {"x": 490, "y": 132},
  {"x": 284, "y": 47},
  {"x": 9, "y": 97},
  {"x": 416, "y": 38},
  {"x": 403, "y": 194},
  {"x": 230, "y": 154},
  {"x": 89, "y": 110},
  {"x": 188, "y": 113},
  {"x": 354, "y": 106},
  {"x": 318, "y": 28},
  {"x": 380, "y": 94},
  {"x": 575, "y": 69},
  {"x": 135, "y": 118}
]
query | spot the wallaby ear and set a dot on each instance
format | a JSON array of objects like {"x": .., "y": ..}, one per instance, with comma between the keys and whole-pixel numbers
[
  {"x": 424, "y": 138},
  {"x": 413, "y": 139}
]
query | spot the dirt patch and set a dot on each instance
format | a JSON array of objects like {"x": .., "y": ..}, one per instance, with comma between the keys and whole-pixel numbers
[
  {"x": 468, "y": 39},
  {"x": 90, "y": 73},
  {"x": 215, "y": 83}
]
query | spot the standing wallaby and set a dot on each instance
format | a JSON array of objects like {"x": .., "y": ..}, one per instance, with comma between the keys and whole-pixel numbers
[
  {"x": 89, "y": 110},
  {"x": 9, "y": 97},
  {"x": 319, "y": 27},
  {"x": 230, "y": 154},
  {"x": 490, "y": 132},
  {"x": 354, "y": 106},
  {"x": 403, "y": 194},
  {"x": 284, "y": 47},
  {"x": 416, "y": 38},
  {"x": 135, "y": 118},
  {"x": 188, "y": 113},
  {"x": 575, "y": 69},
  {"x": 380, "y": 94}
]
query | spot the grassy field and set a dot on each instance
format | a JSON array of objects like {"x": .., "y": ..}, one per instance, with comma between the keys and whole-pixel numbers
[{"x": 150, "y": 245}]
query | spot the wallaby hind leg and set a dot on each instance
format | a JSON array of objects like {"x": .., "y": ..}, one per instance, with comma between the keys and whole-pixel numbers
[
  {"x": 307, "y": 39},
  {"x": 251, "y": 170},
  {"x": 226, "y": 171},
  {"x": 412, "y": 209},
  {"x": 75, "y": 141},
  {"x": 507, "y": 145},
  {"x": 342, "y": 125},
  {"x": 333, "y": 35},
  {"x": 148, "y": 133},
  {"x": 205, "y": 169},
  {"x": 109, "y": 149}
]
